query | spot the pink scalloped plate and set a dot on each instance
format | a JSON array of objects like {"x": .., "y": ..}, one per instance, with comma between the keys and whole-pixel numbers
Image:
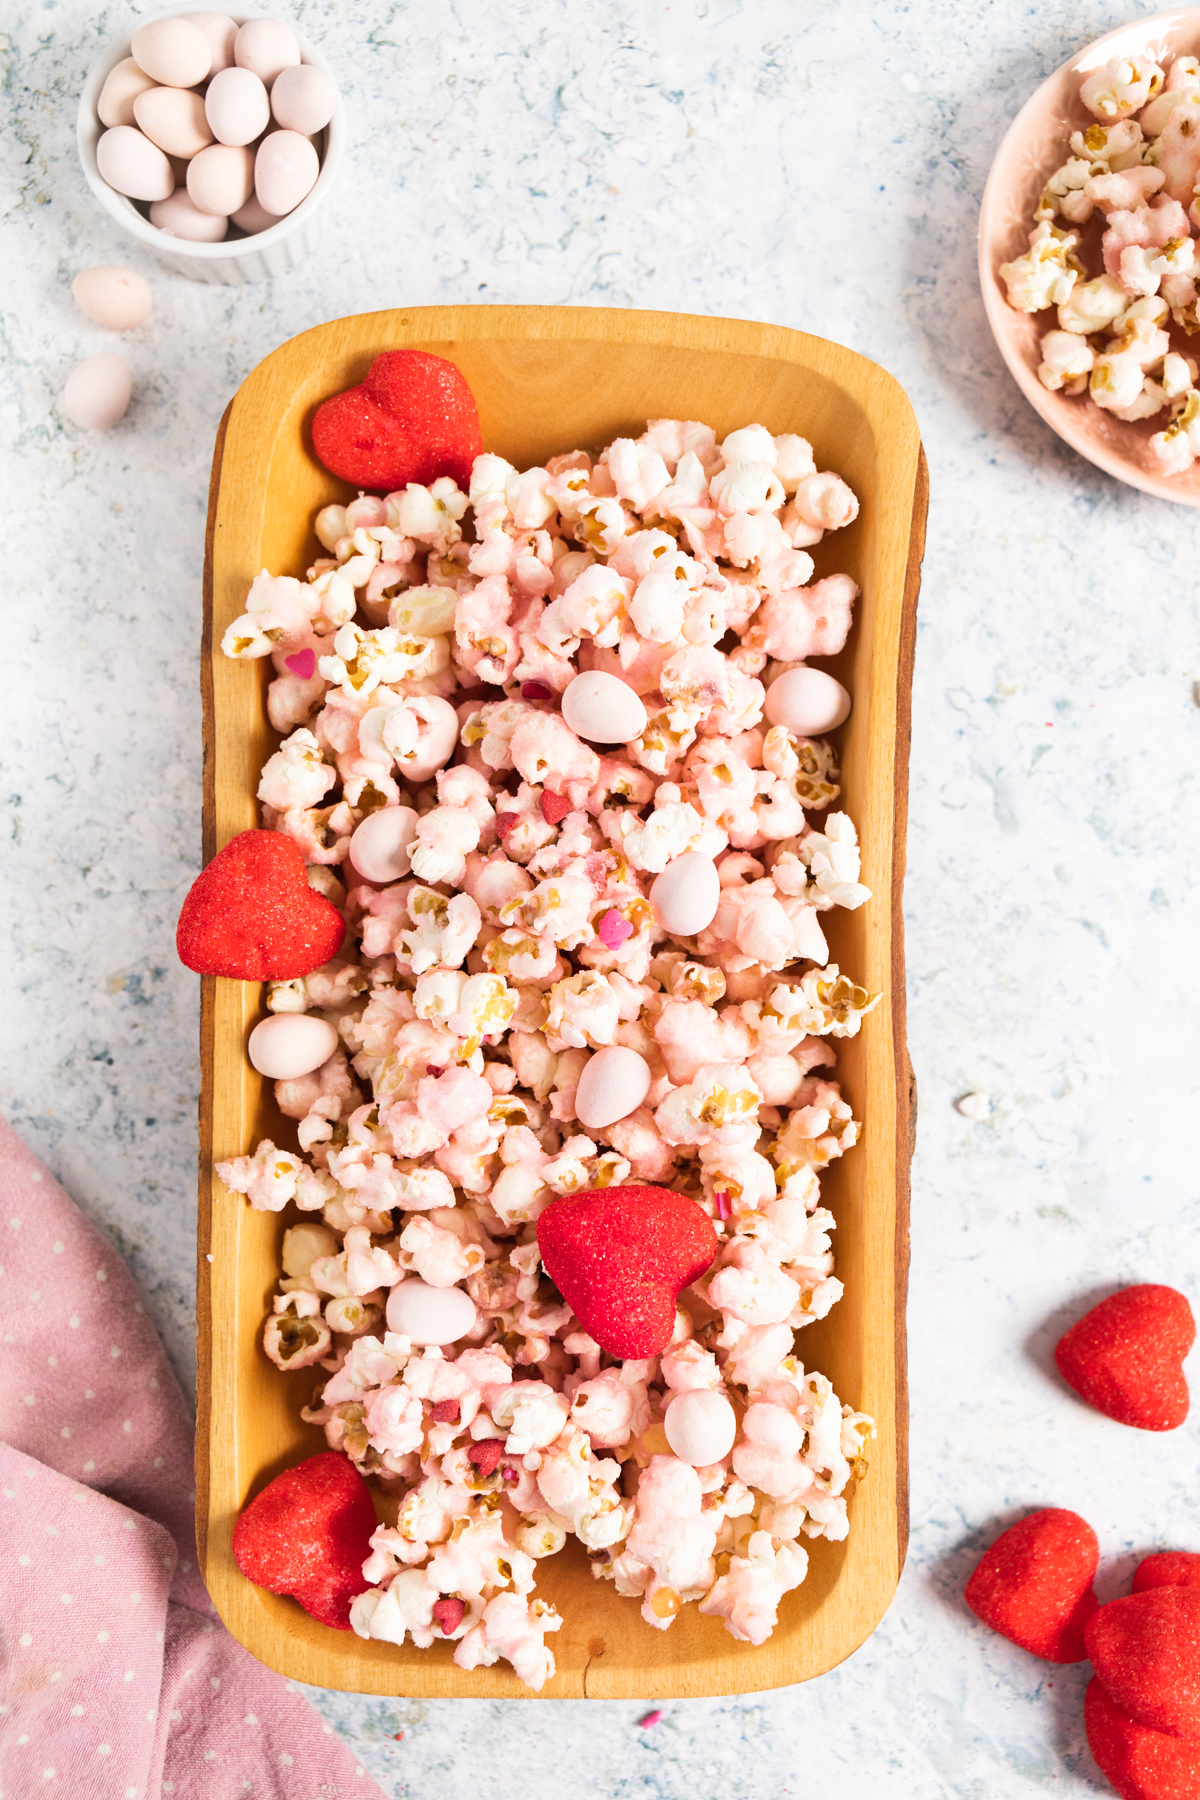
[{"x": 1036, "y": 144}]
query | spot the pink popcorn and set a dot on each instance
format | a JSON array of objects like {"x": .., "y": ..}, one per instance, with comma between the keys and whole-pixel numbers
[
  {"x": 825, "y": 502},
  {"x": 748, "y": 1597},
  {"x": 604, "y": 1408},
  {"x": 637, "y": 1137},
  {"x": 812, "y": 621},
  {"x": 690, "y": 1034},
  {"x": 671, "y": 1538},
  {"x": 767, "y": 1456},
  {"x": 395, "y": 1420},
  {"x": 545, "y": 750},
  {"x": 752, "y": 1288},
  {"x": 511, "y": 1629}
]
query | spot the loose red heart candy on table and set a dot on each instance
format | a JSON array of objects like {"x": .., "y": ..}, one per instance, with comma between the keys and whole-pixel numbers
[
  {"x": 252, "y": 916},
  {"x": 620, "y": 1257},
  {"x": 1141, "y": 1764},
  {"x": 1035, "y": 1584},
  {"x": 308, "y": 1534},
  {"x": 1146, "y": 1651},
  {"x": 1125, "y": 1357},
  {"x": 412, "y": 419},
  {"x": 1169, "y": 1568}
]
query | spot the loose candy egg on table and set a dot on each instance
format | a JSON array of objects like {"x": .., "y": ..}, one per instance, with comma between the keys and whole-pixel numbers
[
  {"x": 237, "y": 107},
  {"x": 267, "y": 47},
  {"x": 121, "y": 88},
  {"x": 430, "y": 1315},
  {"x": 700, "y": 1426},
  {"x": 221, "y": 31},
  {"x": 173, "y": 51},
  {"x": 807, "y": 701},
  {"x": 614, "y": 1082},
  {"x": 179, "y": 216},
  {"x": 133, "y": 165},
  {"x": 221, "y": 178},
  {"x": 286, "y": 167},
  {"x": 117, "y": 299},
  {"x": 379, "y": 845},
  {"x": 98, "y": 391},
  {"x": 303, "y": 99},
  {"x": 603, "y": 708},
  {"x": 289, "y": 1045},
  {"x": 174, "y": 119},
  {"x": 686, "y": 895}
]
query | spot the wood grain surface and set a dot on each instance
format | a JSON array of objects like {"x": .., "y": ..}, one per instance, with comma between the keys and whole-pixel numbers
[{"x": 550, "y": 379}]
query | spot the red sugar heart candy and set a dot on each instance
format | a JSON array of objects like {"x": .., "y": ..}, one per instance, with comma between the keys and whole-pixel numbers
[
  {"x": 251, "y": 915},
  {"x": 1035, "y": 1584},
  {"x": 308, "y": 1534},
  {"x": 1125, "y": 1356},
  {"x": 1146, "y": 1650},
  {"x": 1170, "y": 1568},
  {"x": 412, "y": 419},
  {"x": 1140, "y": 1764},
  {"x": 620, "y": 1257}
]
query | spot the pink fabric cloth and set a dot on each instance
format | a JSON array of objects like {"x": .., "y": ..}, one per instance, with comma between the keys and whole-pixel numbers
[{"x": 119, "y": 1682}]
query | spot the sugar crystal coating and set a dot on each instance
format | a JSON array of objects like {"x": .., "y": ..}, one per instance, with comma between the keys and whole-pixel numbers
[{"x": 1034, "y": 1584}]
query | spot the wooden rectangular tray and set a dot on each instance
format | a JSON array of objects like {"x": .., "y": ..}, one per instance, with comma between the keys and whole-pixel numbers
[{"x": 549, "y": 379}]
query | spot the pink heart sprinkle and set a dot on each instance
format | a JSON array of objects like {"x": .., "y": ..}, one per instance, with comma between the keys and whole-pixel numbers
[
  {"x": 614, "y": 929},
  {"x": 534, "y": 690},
  {"x": 303, "y": 664}
]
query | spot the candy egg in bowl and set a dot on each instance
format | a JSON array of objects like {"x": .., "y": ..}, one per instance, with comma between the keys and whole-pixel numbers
[
  {"x": 151, "y": 133},
  {"x": 1038, "y": 144}
]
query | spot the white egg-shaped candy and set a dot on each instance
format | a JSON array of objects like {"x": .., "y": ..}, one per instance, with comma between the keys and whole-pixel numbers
[
  {"x": 700, "y": 1426},
  {"x": 180, "y": 217},
  {"x": 430, "y": 1315},
  {"x": 436, "y": 743},
  {"x": 303, "y": 99},
  {"x": 221, "y": 31},
  {"x": 267, "y": 47},
  {"x": 221, "y": 178},
  {"x": 174, "y": 119},
  {"x": 237, "y": 107},
  {"x": 378, "y": 848},
  {"x": 173, "y": 51},
  {"x": 603, "y": 708},
  {"x": 288, "y": 1045},
  {"x": 807, "y": 701},
  {"x": 98, "y": 390},
  {"x": 118, "y": 299},
  {"x": 614, "y": 1083},
  {"x": 254, "y": 217},
  {"x": 686, "y": 895},
  {"x": 122, "y": 85},
  {"x": 285, "y": 169},
  {"x": 133, "y": 165}
]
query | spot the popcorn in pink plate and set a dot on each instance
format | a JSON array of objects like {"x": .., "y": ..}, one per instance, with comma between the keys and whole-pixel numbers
[{"x": 421, "y": 666}]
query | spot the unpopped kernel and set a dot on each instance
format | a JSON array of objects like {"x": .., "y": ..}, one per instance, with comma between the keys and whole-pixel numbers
[{"x": 508, "y": 884}]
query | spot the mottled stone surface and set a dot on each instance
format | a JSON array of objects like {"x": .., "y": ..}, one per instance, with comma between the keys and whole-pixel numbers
[{"x": 818, "y": 166}]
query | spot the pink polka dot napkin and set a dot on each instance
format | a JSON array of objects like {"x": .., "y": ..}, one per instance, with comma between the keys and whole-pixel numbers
[{"x": 117, "y": 1681}]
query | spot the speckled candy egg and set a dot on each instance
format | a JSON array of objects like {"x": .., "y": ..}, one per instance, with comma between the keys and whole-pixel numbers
[
  {"x": 430, "y": 1315},
  {"x": 221, "y": 31},
  {"x": 122, "y": 85},
  {"x": 173, "y": 51},
  {"x": 686, "y": 895},
  {"x": 134, "y": 166},
  {"x": 98, "y": 390},
  {"x": 221, "y": 179},
  {"x": 285, "y": 169},
  {"x": 237, "y": 107},
  {"x": 180, "y": 217},
  {"x": 288, "y": 1045},
  {"x": 603, "y": 709},
  {"x": 700, "y": 1426},
  {"x": 614, "y": 1083},
  {"x": 118, "y": 299},
  {"x": 807, "y": 702},
  {"x": 378, "y": 848},
  {"x": 267, "y": 47},
  {"x": 174, "y": 119},
  {"x": 303, "y": 99}
]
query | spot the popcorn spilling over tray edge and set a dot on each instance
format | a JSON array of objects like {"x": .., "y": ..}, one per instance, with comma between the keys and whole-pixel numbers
[
  {"x": 1135, "y": 171},
  {"x": 515, "y": 894}
]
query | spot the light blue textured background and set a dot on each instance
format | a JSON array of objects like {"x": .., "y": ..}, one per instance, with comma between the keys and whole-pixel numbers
[{"x": 820, "y": 166}]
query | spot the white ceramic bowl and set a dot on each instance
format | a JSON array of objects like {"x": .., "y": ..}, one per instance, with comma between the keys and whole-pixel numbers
[
  {"x": 240, "y": 259},
  {"x": 1035, "y": 145}
]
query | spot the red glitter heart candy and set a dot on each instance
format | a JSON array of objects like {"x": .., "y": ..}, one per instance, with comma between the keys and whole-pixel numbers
[
  {"x": 308, "y": 1534},
  {"x": 620, "y": 1257},
  {"x": 1034, "y": 1586},
  {"x": 251, "y": 915},
  {"x": 1140, "y": 1764},
  {"x": 413, "y": 418},
  {"x": 1146, "y": 1650},
  {"x": 1125, "y": 1357},
  {"x": 1169, "y": 1568}
]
